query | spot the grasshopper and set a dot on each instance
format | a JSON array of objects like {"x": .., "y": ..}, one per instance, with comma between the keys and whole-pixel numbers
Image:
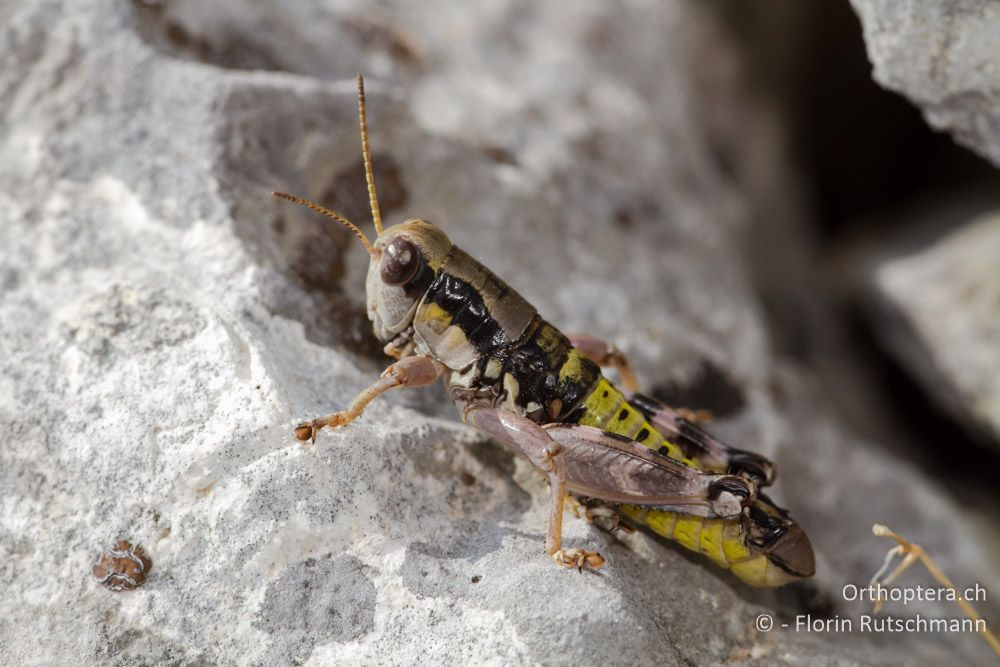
[{"x": 515, "y": 377}]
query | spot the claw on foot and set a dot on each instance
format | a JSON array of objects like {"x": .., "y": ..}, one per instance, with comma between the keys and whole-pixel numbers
[
  {"x": 308, "y": 430},
  {"x": 578, "y": 558},
  {"x": 304, "y": 432}
]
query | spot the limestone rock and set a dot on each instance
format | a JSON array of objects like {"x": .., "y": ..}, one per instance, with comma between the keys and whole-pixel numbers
[
  {"x": 164, "y": 324},
  {"x": 939, "y": 310},
  {"x": 942, "y": 55}
]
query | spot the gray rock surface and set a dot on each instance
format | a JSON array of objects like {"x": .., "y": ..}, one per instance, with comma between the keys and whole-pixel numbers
[
  {"x": 164, "y": 324},
  {"x": 939, "y": 310},
  {"x": 942, "y": 55}
]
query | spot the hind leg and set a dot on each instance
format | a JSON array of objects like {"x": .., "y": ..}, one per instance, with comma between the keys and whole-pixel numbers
[
  {"x": 528, "y": 438},
  {"x": 607, "y": 355}
]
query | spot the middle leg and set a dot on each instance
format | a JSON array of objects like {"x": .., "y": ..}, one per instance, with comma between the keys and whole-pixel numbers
[
  {"x": 601, "y": 516},
  {"x": 605, "y": 355},
  {"x": 557, "y": 498},
  {"x": 528, "y": 438}
]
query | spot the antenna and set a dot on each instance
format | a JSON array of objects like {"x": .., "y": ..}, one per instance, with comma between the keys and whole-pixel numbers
[
  {"x": 372, "y": 198},
  {"x": 330, "y": 214}
]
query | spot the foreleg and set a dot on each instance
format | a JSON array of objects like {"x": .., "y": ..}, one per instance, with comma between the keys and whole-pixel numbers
[{"x": 415, "y": 371}]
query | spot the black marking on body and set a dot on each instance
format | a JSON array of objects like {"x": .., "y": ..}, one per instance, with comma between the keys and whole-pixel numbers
[
  {"x": 695, "y": 443},
  {"x": 526, "y": 359},
  {"x": 688, "y": 437},
  {"x": 733, "y": 485},
  {"x": 691, "y": 439},
  {"x": 619, "y": 437},
  {"x": 644, "y": 404},
  {"x": 537, "y": 373},
  {"x": 468, "y": 312},
  {"x": 642, "y": 434},
  {"x": 536, "y": 370},
  {"x": 765, "y": 529},
  {"x": 748, "y": 463}
]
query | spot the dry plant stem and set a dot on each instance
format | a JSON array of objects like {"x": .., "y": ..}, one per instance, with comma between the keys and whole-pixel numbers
[{"x": 912, "y": 552}]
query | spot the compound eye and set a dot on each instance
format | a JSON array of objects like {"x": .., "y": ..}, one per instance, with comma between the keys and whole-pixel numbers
[{"x": 399, "y": 262}]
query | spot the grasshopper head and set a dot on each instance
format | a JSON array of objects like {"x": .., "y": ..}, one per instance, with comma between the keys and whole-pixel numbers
[{"x": 404, "y": 261}]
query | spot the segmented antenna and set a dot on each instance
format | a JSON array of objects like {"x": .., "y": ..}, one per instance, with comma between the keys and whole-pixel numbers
[
  {"x": 330, "y": 214},
  {"x": 372, "y": 198}
]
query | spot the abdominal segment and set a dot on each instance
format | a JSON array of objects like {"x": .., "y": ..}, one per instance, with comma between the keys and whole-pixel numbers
[{"x": 724, "y": 541}]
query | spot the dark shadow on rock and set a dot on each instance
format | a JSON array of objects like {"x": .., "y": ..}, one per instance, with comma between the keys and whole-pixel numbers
[
  {"x": 711, "y": 389},
  {"x": 439, "y": 568},
  {"x": 316, "y": 601}
]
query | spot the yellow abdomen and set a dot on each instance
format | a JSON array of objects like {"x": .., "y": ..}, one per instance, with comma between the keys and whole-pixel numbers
[{"x": 722, "y": 540}]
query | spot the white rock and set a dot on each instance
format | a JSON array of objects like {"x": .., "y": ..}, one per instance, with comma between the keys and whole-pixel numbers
[
  {"x": 942, "y": 55},
  {"x": 164, "y": 324},
  {"x": 941, "y": 309}
]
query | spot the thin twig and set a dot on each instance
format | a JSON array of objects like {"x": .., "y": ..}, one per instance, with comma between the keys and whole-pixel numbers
[{"x": 911, "y": 553}]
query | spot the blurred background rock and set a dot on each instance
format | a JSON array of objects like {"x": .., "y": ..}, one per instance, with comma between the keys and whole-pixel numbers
[{"x": 720, "y": 188}]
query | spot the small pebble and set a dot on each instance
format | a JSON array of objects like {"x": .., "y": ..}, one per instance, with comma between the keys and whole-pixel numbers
[{"x": 123, "y": 567}]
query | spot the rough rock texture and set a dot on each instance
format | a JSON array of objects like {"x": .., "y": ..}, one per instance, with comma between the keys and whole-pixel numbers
[
  {"x": 938, "y": 308},
  {"x": 164, "y": 324},
  {"x": 942, "y": 55}
]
